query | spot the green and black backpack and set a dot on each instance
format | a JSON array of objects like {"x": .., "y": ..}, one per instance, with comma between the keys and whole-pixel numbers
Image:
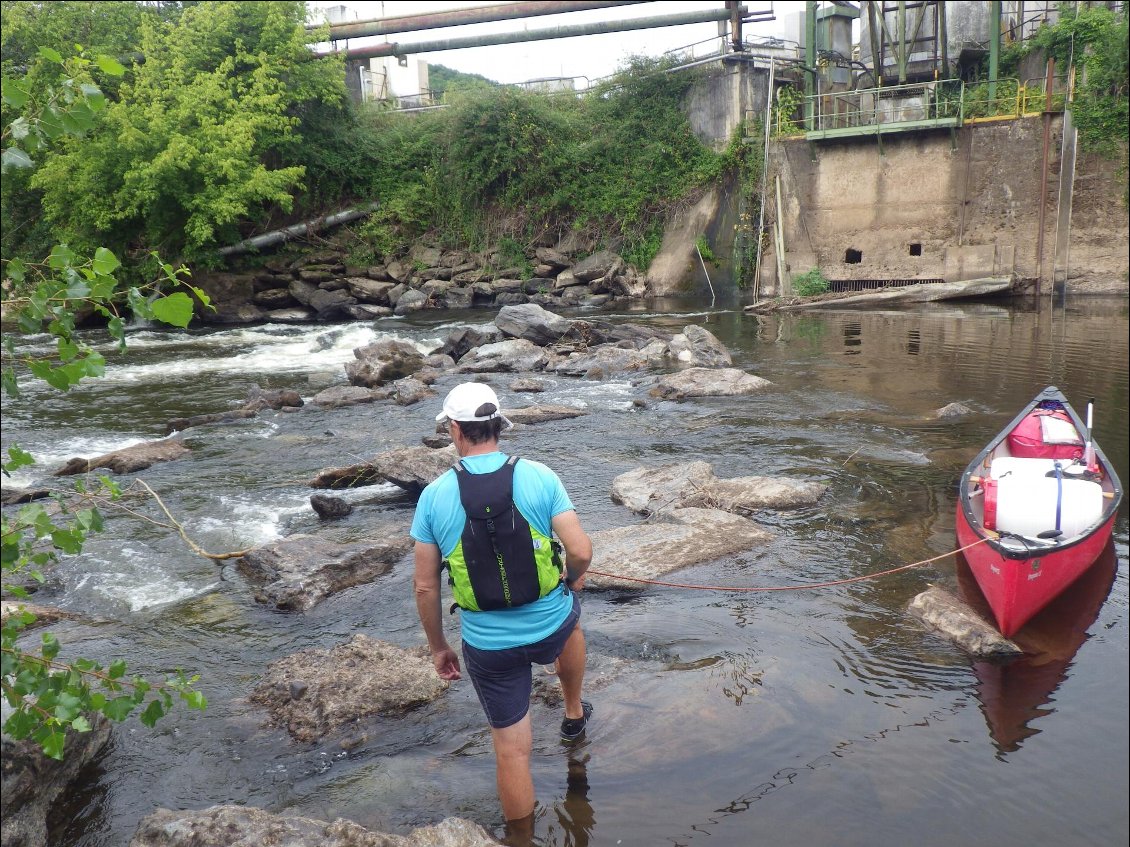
[{"x": 501, "y": 561}]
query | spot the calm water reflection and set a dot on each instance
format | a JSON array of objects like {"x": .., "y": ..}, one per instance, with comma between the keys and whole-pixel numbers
[{"x": 791, "y": 718}]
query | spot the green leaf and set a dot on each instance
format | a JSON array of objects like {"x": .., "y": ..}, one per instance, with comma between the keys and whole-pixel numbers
[
  {"x": 176, "y": 309},
  {"x": 109, "y": 65},
  {"x": 195, "y": 700},
  {"x": 21, "y": 724},
  {"x": 61, "y": 257},
  {"x": 16, "y": 270},
  {"x": 18, "y": 458},
  {"x": 117, "y": 669},
  {"x": 53, "y": 742},
  {"x": 152, "y": 713},
  {"x": 51, "y": 55},
  {"x": 19, "y": 128},
  {"x": 117, "y": 331},
  {"x": 105, "y": 262},
  {"x": 69, "y": 541},
  {"x": 94, "y": 97},
  {"x": 119, "y": 708},
  {"x": 80, "y": 724},
  {"x": 204, "y": 298},
  {"x": 16, "y": 158},
  {"x": 60, "y": 378},
  {"x": 68, "y": 708},
  {"x": 50, "y": 647},
  {"x": 14, "y": 92}
]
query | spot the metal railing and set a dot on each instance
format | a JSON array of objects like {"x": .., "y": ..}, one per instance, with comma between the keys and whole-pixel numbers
[{"x": 919, "y": 105}]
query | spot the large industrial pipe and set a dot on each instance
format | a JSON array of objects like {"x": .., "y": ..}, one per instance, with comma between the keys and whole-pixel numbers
[
  {"x": 460, "y": 17},
  {"x": 396, "y": 49}
]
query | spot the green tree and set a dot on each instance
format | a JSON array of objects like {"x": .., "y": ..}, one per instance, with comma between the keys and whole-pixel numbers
[
  {"x": 203, "y": 138},
  {"x": 50, "y": 697}
]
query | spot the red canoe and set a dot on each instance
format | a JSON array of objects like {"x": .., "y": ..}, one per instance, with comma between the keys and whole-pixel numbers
[{"x": 1041, "y": 499}]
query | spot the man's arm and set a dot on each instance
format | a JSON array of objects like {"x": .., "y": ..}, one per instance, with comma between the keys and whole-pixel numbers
[
  {"x": 427, "y": 586},
  {"x": 578, "y": 547}
]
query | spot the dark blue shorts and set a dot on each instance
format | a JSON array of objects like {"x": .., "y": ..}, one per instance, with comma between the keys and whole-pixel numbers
[{"x": 503, "y": 679}]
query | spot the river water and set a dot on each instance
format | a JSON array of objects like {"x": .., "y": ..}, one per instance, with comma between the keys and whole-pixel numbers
[{"x": 823, "y": 716}]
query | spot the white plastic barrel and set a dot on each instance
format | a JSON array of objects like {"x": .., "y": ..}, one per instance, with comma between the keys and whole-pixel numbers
[
  {"x": 1005, "y": 465},
  {"x": 1026, "y": 504}
]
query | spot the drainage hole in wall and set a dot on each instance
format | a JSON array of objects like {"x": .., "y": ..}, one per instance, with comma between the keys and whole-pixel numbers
[
  {"x": 915, "y": 249},
  {"x": 852, "y": 257}
]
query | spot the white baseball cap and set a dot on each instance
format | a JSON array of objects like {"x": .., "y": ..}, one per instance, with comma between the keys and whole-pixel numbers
[{"x": 465, "y": 400}]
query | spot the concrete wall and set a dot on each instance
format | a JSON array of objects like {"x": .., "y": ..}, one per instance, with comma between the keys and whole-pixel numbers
[
  {"x": 716, "y": 104},
  {"x": 970, "y": 202}
]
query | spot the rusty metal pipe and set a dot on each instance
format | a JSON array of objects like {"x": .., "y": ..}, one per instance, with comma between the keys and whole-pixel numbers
[
  {"x": 600, "y": 28},
  {"x": 459, "y": 17}
]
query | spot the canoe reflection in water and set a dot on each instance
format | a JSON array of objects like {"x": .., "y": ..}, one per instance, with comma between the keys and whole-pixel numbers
[{"x": 1014, "y": 694}]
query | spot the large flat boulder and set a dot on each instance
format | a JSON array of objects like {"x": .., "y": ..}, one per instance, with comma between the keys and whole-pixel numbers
[
  {"x": 543, "y": 414},
  {"x": 515, "y": 355},
  {"x": 647, "y": 490},
  {"x": 383, "y": 361},
  {"x": 532, "y": 323},
  {"x": 244, "y": 826},
  {"x": 676, "y": 538},
  {"x": 699, "y": 347},
  {"x": 947, "y": 615},
  {"x": 313, "y": 692},
  {"x": 606, "y": 360},
  {"x": 297, "y": 573},
  {"x": 413, "y": 468},
  {"x": 128, "y": 459},
  {"x": 708, "y": 382}
]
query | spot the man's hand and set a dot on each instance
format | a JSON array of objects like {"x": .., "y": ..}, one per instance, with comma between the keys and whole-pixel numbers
[
  {"x": 447, "y": 664},
  {"x": 577, "y": 584}
]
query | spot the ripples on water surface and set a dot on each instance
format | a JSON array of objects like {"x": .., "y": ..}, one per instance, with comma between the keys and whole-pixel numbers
[{"x": 810, "y": 717}]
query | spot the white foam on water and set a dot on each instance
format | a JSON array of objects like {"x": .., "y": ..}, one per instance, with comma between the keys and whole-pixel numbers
[
  {"x": 604, "y": 395},
  {"x": 250, "y": 523},
  {"x": 49, "y": 457},
  {"x": 141, "y": 585}
]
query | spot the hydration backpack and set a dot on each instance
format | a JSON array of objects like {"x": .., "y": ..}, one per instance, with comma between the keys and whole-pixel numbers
[{"x": 501, "y": 561}]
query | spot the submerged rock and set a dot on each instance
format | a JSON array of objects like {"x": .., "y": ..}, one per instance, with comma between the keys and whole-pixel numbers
[
  {"x": 298, "y": 572},
  {"x": 243, "y": 826},
  {"x": 676, "y": 539},
  {"x": 953, "y": 410},
  {"x": 316, "y": 691},
  {"x": 946, "y": 614},
  {"x": 708, "y": 382},
  {"x": 646, "y": 490},
  {"x": 178, "y": 424}
]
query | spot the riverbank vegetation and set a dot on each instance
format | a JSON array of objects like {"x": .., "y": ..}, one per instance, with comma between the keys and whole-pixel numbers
[
  {"x": 1095, "y": 40},
  {"x": 225, "y": 125}
]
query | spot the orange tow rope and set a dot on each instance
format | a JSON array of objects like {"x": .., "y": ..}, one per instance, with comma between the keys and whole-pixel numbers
[{"x": 785, "y": 587}]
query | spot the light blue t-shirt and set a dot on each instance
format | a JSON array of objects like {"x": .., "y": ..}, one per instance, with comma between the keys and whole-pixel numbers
[{"x": 539, "y": 496}]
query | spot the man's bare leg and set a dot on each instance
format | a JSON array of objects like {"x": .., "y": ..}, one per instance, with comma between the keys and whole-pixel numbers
[
  {"x": 571, "y": 671},
  {"x": 512, "y": 746}
]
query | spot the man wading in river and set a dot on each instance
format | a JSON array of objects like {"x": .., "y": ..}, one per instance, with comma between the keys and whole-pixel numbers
[{"x": 490, "y": 521}]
